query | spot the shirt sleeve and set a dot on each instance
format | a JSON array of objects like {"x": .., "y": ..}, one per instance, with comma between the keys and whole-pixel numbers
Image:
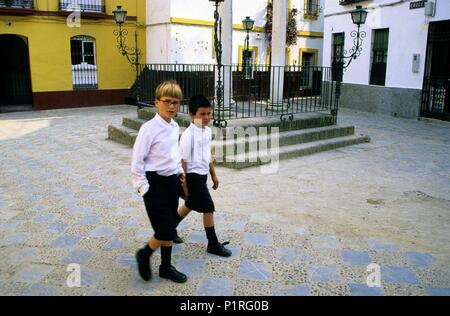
[
  {"x": 141, "y": 150},
  {"x": 212, "y": 148},
  {"x": 185, "y": 145}
]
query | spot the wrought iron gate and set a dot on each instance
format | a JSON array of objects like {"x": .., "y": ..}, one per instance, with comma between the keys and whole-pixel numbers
[
  {"x": 436, "y": 84},
  {"x": 15, "y": 82}
]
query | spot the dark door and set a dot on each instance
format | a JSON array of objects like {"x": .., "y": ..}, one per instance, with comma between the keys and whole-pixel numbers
[
  {"x": 379, "y": 57},
  {"x": 337, "y": 53},
  {"x": 436, "y": 87},
  {"x": 15, "y": 82}
]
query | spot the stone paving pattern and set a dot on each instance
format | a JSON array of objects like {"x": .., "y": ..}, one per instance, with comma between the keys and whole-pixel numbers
[{"x": 309, "y": 229}]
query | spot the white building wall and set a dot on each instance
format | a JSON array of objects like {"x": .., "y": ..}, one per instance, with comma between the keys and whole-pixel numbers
[
  {"x": 158, "y": 11},
  {"x": 408, "y": 32},
  {"x": 191, "y": 44},
  {"x": 192, "y": 9},
  {"x": 305, "y": 24},
  {"x": 305, "y": 43},
  {"x": 256, "y": 9},
  {"x": 158, "y": 31},
  {"x": 169, "y": 42},
  {"x": 158, "y": 48}
]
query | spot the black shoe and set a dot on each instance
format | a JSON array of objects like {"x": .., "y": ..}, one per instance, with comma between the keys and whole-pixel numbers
[
  {"x": 143, "y": 263},
  {"x": 219, "y": 249},
  {"x": 177, "y": 239},
  {"x": 172, "y": 274}
]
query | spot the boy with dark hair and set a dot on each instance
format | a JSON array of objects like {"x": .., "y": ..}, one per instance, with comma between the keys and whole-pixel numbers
[
  {"x": 195, "y": 150},
  {"x": 156, "y": 172}
]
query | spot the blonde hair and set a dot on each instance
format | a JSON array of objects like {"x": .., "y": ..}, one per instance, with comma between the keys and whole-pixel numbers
[{"x": 169, "y": 88}]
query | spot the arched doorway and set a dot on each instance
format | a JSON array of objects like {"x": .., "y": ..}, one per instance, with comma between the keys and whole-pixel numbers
[{"x": 15, "y": 81}]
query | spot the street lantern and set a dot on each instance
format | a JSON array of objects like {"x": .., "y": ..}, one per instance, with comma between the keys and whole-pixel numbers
[
  {"x": 247, "y": 23},
  {"x": 120, "y": 15},
  {"x": 359, "y": 18},
  {"x": 359, "y": 15},
  {"x": 132, "y": 54}
]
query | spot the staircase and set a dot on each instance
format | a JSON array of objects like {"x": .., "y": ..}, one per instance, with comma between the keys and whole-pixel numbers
[{"x": 243, "y": 143}]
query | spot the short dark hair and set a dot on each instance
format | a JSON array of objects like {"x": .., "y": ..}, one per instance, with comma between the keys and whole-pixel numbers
[{"x": 198, "y": 101}]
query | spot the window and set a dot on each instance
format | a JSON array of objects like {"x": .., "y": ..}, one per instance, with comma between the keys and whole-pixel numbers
[
  {"x": 23, "y": 4},
  {"x": 379, "y": 57},
  {"x": 311, "y": 8},
  {"x": 248, "y": 60},
  {"x": 308, "y": 59},
  {"x": 85, "y": 5},
  {"x": 84, "y": 68},
  {"x": 337, "y": 51}
]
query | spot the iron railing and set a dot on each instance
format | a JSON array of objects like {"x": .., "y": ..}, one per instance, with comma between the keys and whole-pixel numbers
[
  {"x": 436, "y": 98},
  {"x": 192, "y": 78},
  {"x": 304, "y": 89},
  {"x": 96, "y": 6},
  {"x": 20, "y": 4},
  {"x": 311, "y": 9},
  {"x": 346, "y": 2},
  {"x": 84, "y": 76}
]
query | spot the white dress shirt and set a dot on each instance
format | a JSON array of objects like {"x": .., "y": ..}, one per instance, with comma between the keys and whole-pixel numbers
[
  {"x": 155, "y": 149},
  {"x": 195, "y": 149}
]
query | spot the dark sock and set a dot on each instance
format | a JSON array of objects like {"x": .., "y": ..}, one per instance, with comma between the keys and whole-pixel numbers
[
  {"x": 178, "y": 219},
  {"x": 147, "y": 250},
  {"x": 166, "y": 255},
  {"x": 211, "y": 235}
]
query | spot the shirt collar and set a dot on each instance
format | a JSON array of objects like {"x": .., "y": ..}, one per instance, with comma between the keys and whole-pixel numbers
[
  {"x": 196, "y": 127},
  {"x": 163, "y": 122}
]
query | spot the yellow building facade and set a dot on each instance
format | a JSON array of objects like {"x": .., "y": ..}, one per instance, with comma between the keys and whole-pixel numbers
[{"x": 63, "y": 53}]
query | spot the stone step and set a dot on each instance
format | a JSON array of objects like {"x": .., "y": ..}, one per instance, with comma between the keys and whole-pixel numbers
[
  {"x": 133, "y": 123},
  {"x": 250, "y": 143},
  {"x": 285, "y": 138},
  {"x": 123, "y": 135},
  {"x": 300, "y": 121},
  {"x": 307, "y": 134},
  {"x": 287, "y": 146},
  {"x": 285, "y": 152}
]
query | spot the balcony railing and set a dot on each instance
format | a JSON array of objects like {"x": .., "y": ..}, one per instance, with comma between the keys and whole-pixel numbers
[
  {"x": 311, "y": 10},
  {"x": 347, "y": 2},
  {"x": 17, "y": 4},
  {"x": 95, "y": 6}
]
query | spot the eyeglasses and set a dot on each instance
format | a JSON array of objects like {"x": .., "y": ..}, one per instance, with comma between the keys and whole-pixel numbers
[{"x": 169, "y": 102}]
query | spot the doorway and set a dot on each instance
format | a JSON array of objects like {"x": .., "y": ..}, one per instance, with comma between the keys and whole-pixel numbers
[
  {"x": 15, "y": 80},
  {"x": 436, "y": 84}
]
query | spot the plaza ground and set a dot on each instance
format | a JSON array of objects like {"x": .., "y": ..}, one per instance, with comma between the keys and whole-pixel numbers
[{"x": 311, "y": 228}]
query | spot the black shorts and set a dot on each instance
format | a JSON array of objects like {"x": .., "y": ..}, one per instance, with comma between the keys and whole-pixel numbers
[
  {"x": 161, "y": 203},
  {"x": 199, "y": 198}
]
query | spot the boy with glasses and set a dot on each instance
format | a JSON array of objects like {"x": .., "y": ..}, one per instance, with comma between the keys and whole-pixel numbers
[{"x": 156, "y": 173}]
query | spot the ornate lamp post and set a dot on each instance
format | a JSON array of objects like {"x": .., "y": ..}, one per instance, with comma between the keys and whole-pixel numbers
[
  {"x": 358, "y": 17},
  {"x": 219, "y": 121},
  {"x": 132, "y": 54},
  {"x": 247, "y": 23}
]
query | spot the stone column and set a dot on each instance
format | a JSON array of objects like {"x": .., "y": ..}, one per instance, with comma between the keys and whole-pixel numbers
[
  {"x": 226, "y": 12},
  {"x": 278, "y": 51},
  {"x": 226, "y": 15}
]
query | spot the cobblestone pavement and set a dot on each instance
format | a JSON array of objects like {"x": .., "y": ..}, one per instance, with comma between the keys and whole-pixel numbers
[{"x": 311, "y": 228}]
